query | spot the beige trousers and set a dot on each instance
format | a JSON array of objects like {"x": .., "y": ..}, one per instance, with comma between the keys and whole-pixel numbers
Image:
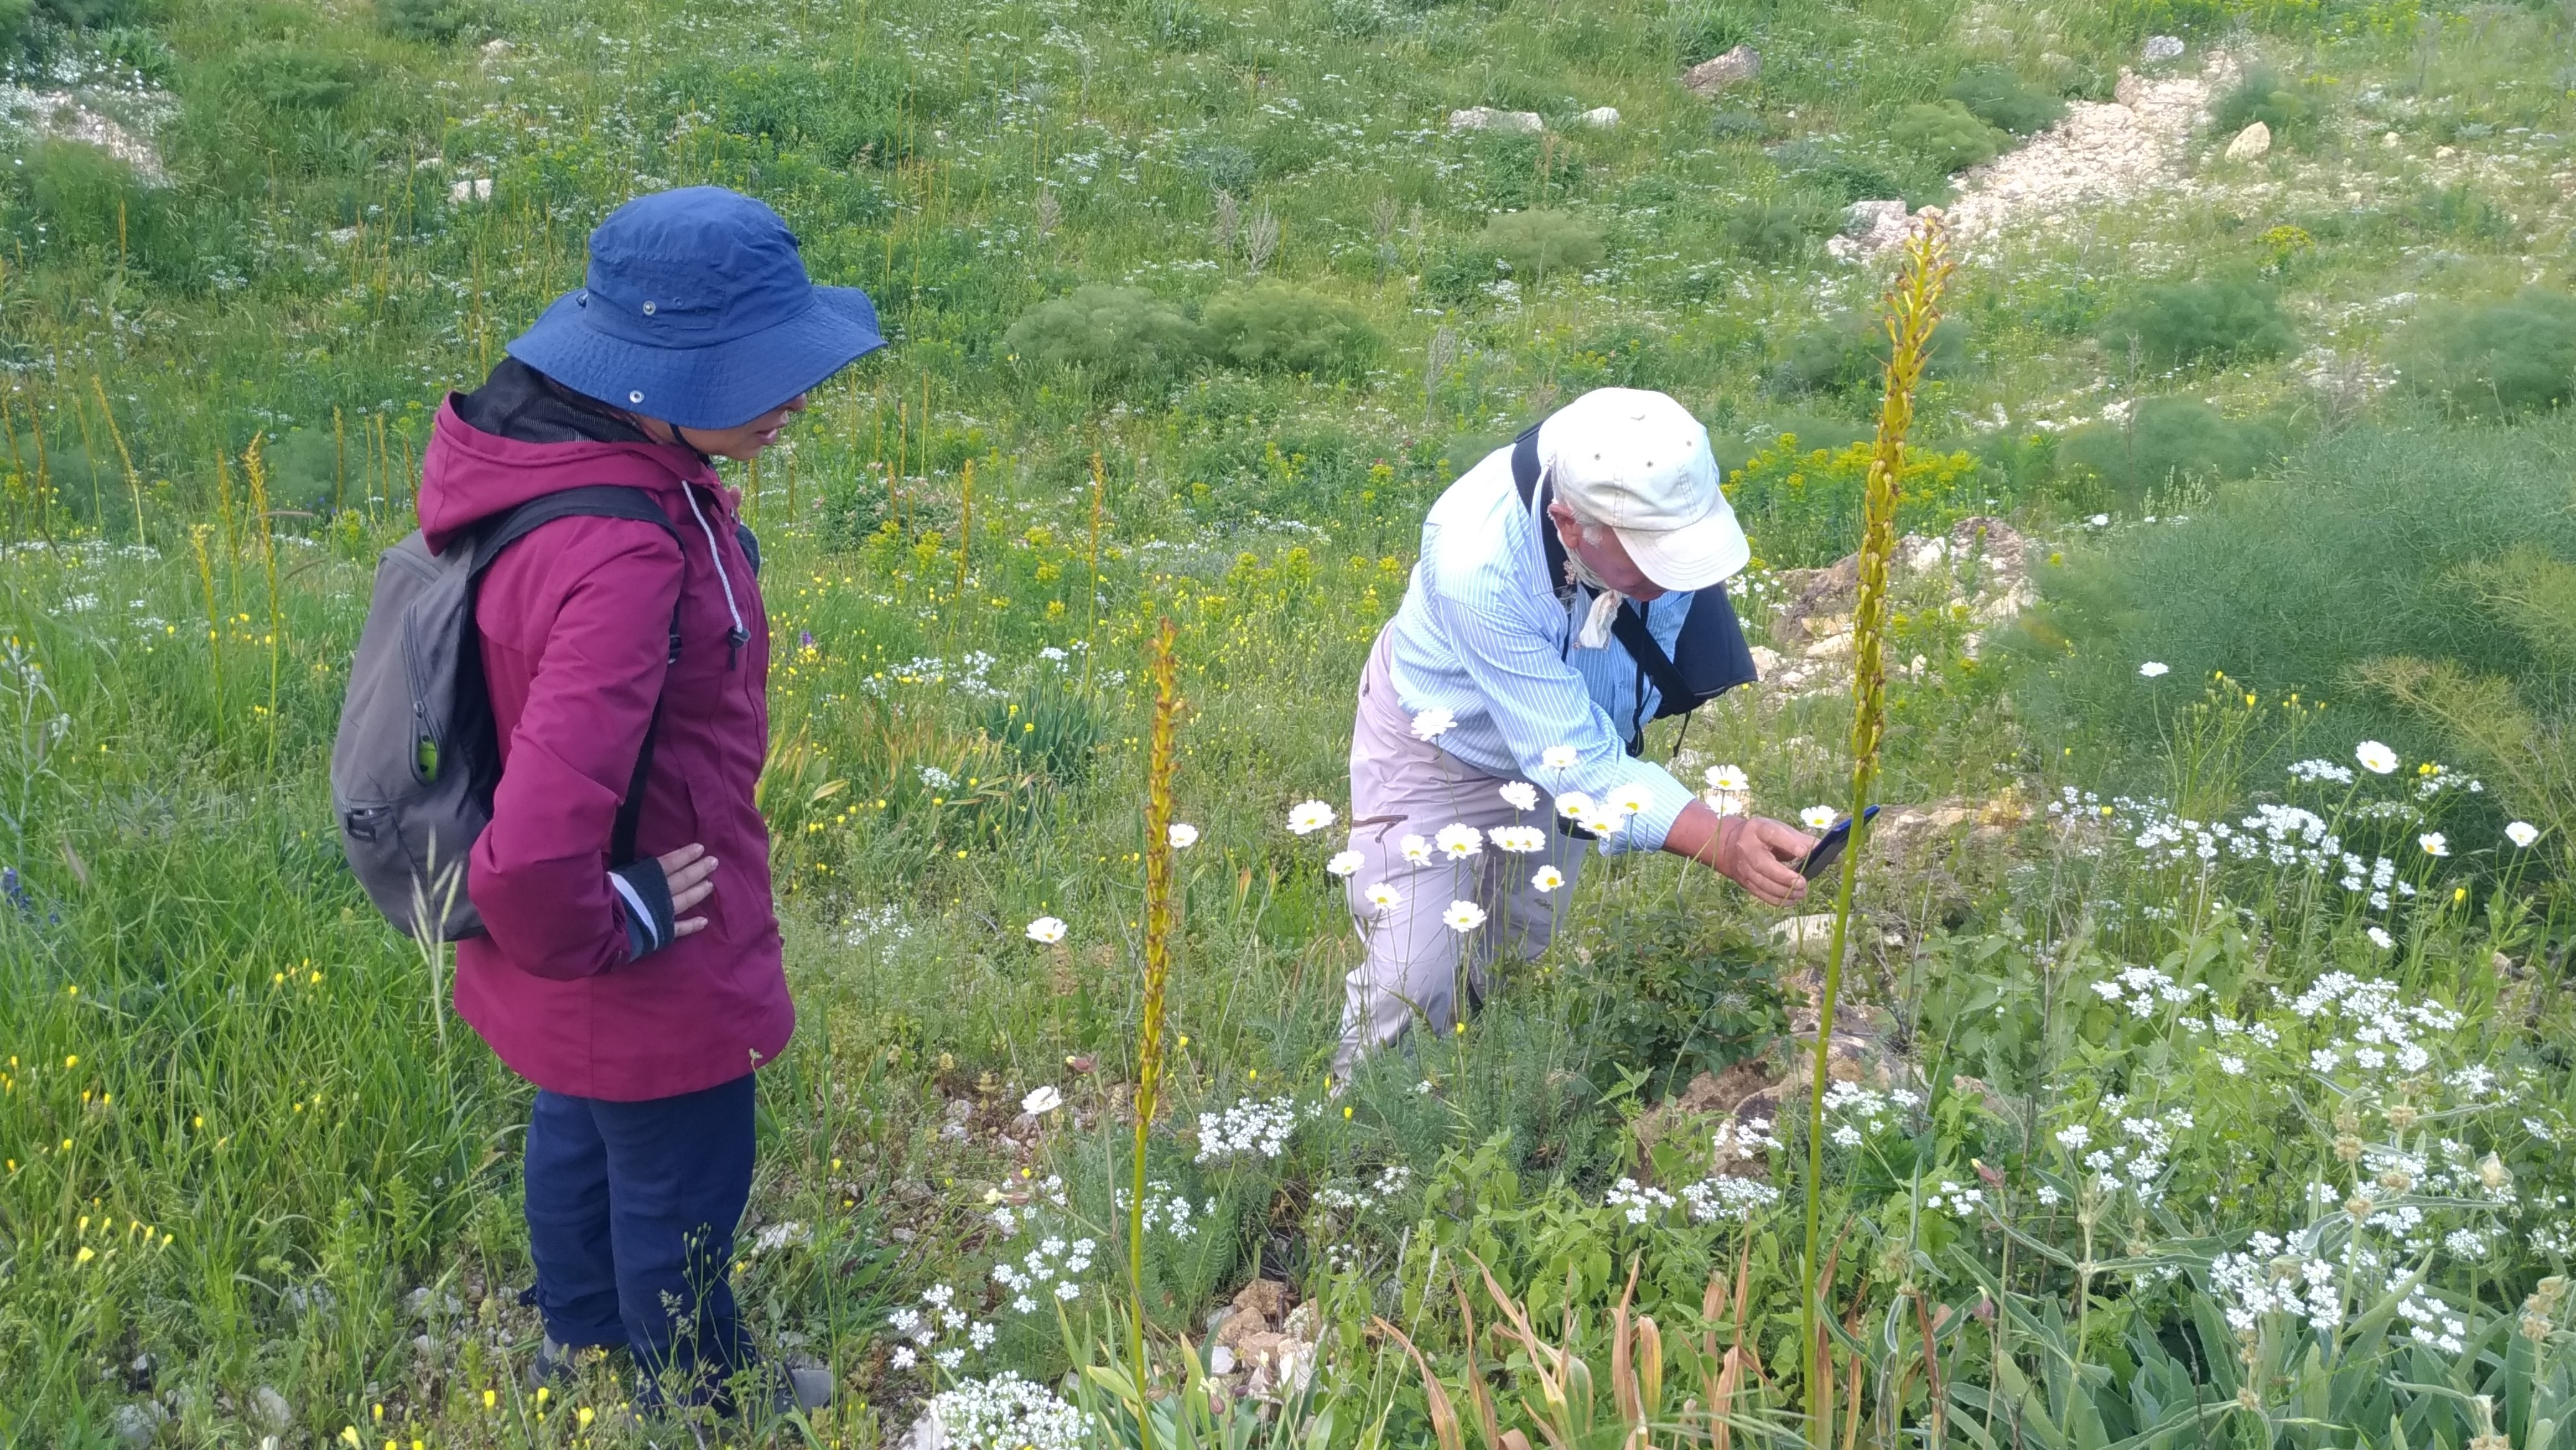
[{"x": 1417, "y": 966}]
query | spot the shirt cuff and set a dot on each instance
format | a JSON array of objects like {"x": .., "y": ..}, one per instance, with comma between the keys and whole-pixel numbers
[{"x": 1647, "y": 828}]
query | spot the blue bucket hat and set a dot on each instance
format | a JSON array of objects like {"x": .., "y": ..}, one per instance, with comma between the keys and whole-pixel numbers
[{"x": 697, "y": 311}]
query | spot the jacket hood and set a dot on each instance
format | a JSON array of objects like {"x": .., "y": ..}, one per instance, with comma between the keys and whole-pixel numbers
[{"x": 468, "y": 475}]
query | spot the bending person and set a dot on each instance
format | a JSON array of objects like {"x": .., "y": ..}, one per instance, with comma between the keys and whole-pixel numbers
[{"x": 1569, "y": 591}]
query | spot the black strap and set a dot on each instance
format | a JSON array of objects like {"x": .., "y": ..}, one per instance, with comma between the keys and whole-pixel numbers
[{"x": 610, "y": 501}]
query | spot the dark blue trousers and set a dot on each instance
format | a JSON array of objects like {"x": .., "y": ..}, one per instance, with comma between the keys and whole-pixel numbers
[{"x": 631, "y": 1215}]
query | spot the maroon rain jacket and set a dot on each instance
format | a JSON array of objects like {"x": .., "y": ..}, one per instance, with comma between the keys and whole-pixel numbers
[{"x": 575, "y": 622}]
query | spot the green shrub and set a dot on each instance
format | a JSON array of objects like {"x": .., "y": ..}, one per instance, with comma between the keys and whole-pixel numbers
[
  {"x": 1223, "y": 167},
  {"x": 2352, "y": 552},
  {"x": 1536, "y": 243},
  {"x": 1177, "y": 24},
  {"x": 2165, "y": 442},
  {"x": 2500, "y": 361},
  {"x": 1844, "y": 176},
  {"x": 1997, "y": 96},
  {"x": 1704, "y": 30},
  {"x": 1277, "y": 328},
  {"x": 1116, "y": 334},
  {"x": 1777, "y": 231},
  {"x": 2263, "y": 94},
  {"x": 14, "y": 15},
  {"x": 433, "y": 22},
  {"x": 1801, "y": 504},
  {"x": 1848, "y": 355},
  {"x": 1945, "y": 135},
  {"x": 842, "y": 112},
  {"x": 285, "y": 77},
  {"x": 2188, "y": 322},
  {"x": 1728, "y": 123}
]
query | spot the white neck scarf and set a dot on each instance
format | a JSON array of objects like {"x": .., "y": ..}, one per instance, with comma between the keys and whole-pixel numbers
[{"x": 1595, "y": 630}]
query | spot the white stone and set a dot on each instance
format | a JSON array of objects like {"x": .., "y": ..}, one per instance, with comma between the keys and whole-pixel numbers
[
  {"x": 2252, "y": 142},
  {"x": 1486, "y": 118},
  {"x": 1718, "y": 72},
  {"x": 1805, "y": 933},
  {"x": 1601, "y": 118},
  {"x": 477, "y": 188}
]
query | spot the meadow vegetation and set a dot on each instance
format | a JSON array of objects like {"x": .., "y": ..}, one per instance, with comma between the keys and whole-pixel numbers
[{"x": 2207, "y": 1081}]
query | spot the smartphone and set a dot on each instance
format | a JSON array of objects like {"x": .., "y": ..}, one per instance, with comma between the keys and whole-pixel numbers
[{"x": 1828, "y": 851}]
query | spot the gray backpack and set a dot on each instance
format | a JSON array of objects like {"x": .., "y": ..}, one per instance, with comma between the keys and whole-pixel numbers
[{"x": 416, "y": 760}]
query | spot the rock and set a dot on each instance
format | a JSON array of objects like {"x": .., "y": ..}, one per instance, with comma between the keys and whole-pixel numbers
[
  {"x": 1715, "y": 74},
  {"x": 1831, "y": 647},
  {"x": 926, "y": 1434},
  {"x": 2160, "y": 48},
  {"x": 1265, "y": 1297},
  {"x": 2445, "y": 153},
  {"x": 1241, "y": 1327},
  {"x": 2391, "y": 140},
  {"x": 138, "y": 1422},
  {"x": 1486, "y": 118},
  {"x": 427, "y": 1303},
  {"x": 2128, "y": 90},
  {"x": 1766, "y": 660},
  {"x": 1601, "y": 118},
  {"x": 960, "y": 1109},
  {"x": 1811, "y": 933},
  {"x": 270, "y": 1410},
  {"x": 477, "y": 188},
  {"x": 1871, "y": 228},
  {"x": 2252, "y": 143}
]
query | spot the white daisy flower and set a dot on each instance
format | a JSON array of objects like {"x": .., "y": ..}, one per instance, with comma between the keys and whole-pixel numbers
[
  {"x": 1574, "y": 805},
  {"x": 2434, "y": 843},
  {"x": 1547, "y": 878},
  {"x": 2376, "y": 758},
  {"x": 1433, "y": 723},
  {"x": 1383, "y": 896},
  {"x": 1727, "y": 778},
  {"x": 1308, "y": 817},
  {"x": 1819, "y": 818},
  {"x": 1560, "y": 757},
  {"x": 1632, "y": 797},
  {"x": 1183, "y": 836},
  {"x": 1343, "y": 863},
  {"x": 2522, "y": 833},
  {"x": 1520, "y": 795},
  {"x": 1463, "y": 916},
  {"x": 1415, "y": 849},
  {"x": 1458, "y": 842},
  {"x": 1046, "y": 931},
  {"x": 2152, "y": 668}
]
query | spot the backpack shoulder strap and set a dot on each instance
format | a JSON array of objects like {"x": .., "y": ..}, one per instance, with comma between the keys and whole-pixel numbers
[
  {"x": 613, "y": 501},
  {"x": 1534, "y": 497},
  {"x": 603, "y": 500}
]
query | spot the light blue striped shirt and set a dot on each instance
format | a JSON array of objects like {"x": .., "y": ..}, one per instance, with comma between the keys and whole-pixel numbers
[{"x": 1484, "y": 634}]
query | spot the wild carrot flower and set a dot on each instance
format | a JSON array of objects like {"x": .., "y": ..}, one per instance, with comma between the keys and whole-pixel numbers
[
  {"x": 2376, "y": 758},
  {"x": 1046, "y": 931},
  {"x": 1308, "y": 817},
  {"x": 1463, "y": 917},
  {"x": 2380, "y": 938},
  {"x": 1343, "y": 863}
]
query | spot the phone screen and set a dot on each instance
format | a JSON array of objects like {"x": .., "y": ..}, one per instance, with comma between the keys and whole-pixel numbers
[{"x": 1829, "y": 850}]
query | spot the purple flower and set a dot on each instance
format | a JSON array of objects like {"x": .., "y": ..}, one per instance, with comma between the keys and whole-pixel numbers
[{"x": 804, "y": 639}]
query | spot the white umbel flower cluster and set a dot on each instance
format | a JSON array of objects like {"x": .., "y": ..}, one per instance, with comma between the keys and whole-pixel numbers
[
  {"x": 1006, "y": 1412},
  {"x": 1252, "y": 1128}
]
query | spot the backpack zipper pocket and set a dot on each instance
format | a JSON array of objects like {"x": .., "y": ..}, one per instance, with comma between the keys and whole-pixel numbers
[{"x": 424, "y": 737}]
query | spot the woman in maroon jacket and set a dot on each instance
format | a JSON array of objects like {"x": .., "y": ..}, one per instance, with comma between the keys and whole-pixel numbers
[{"x": 640, "y": 1000}]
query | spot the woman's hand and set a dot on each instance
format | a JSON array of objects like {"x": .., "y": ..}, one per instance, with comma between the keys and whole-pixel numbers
[{"x": 691, "y": 873}]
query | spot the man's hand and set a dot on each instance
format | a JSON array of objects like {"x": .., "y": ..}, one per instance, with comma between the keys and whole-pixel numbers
[{"x": 1756, "y": 853}]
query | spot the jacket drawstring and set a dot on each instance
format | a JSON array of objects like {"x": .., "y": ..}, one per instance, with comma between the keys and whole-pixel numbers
[{"x": 735, "y": 637}]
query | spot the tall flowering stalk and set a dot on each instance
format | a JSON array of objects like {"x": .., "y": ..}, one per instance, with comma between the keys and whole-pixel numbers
[
  {"x": 1913, "y": 306},
  {"x": 1164, "y": 666},
  {"x": 257, "y": 468}
]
